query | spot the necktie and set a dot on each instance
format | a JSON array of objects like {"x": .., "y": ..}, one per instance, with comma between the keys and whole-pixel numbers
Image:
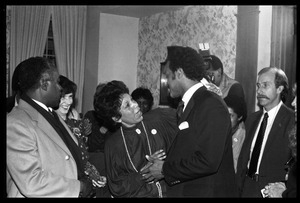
[
  {"x": 257, "y": 146},
  {"x": 179, "y": 110}
]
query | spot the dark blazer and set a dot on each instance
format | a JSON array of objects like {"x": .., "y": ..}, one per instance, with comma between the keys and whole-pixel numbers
[
  {"x": 276, "y": 152},
  {"x": 200, "y": 162}
]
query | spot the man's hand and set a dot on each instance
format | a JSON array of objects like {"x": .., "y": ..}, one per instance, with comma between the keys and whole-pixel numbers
[
  {"x": 153, "y": 172},
  {"x": 274, "y": 189},
  {"x": 160, "y": 154}
]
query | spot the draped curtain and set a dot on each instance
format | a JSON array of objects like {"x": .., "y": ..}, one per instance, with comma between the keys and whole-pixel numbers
[
  {"x": 69, "y": 29},
  {"x": 28, "y": 35},
  {"x": 284, "y": 43}
]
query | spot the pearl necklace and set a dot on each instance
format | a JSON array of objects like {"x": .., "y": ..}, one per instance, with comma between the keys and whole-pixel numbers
[{"x": 127, "y": 152}]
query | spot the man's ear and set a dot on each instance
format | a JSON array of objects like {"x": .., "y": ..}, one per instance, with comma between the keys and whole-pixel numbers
[
  {"x": 179, "y": 73},
  {"x": 280, "y": 89},
  {"x": 44, "y": 84},
  {"x": 117, "y": 120},
  {"x": 219, "y": 72}
]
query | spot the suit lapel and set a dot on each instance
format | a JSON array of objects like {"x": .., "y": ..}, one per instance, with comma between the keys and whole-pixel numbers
[
  {"x": 250, "y": 134},
  {"x": 51, "y": 133},
  {"x": 187, "y": 111},
  {"x": 276, "y": 127},
  {"x": 190, "y": 104},
  {"x": 44, "y": 125}
]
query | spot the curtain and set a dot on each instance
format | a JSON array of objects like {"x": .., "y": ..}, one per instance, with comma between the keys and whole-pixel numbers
[
  {"x": 69, "y": 29},
  {"x": 28, "y": 34},
  {"x": 284, "y": 43}
]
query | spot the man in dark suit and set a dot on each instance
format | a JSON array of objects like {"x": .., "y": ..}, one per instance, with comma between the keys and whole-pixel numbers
[
  {"x": 268, "y": 166},
  {"x": 200, "y": 161}
]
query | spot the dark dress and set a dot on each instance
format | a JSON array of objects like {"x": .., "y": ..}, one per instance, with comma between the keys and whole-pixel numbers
[
  {"x": 123, "y": 162},
  {"x": 98, "y": 133},
  {"x": 77, "y": 126}
]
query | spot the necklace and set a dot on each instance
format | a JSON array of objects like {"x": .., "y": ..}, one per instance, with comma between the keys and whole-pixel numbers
[
  {"x": 127, "y": 152},
  {"x": 156, "y": 183}
]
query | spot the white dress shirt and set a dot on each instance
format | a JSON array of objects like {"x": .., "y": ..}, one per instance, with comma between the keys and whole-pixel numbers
[
  {"x": 42, "y": 105},
  {"x": 189, "y": 93},
  {"x": 272, "y": 115}
]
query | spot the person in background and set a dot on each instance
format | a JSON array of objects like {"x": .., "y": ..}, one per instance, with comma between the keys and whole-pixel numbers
[
  {"x": 67, "y": 105},
  {"x": 66, "y": 109},
  {"x": 42, "y": 154},
  {"x": 68, "y": 113},
  {"x": 287, "y": 188},
  {"x": 238, "y": 114},
  {"x": 227, "y": 85},
  {"x": 14, "y": 99},
  {"x": 199, "y": 162},
  {"x": 144, "y": 98},
  {"x": 137, "y": 135},
  {"x": 206, "y": 81},
  {"x": 265, "y": 149},
  {"x": 100, "y": 130}
]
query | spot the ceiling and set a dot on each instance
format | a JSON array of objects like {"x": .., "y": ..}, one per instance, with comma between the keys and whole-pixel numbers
[{"x": 136, "y": 10}]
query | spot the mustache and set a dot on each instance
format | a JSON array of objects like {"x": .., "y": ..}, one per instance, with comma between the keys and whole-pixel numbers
[{"x": 262, "y": 97}]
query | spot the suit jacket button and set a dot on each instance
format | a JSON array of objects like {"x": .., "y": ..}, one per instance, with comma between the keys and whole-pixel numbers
[{"x": 67, "y": 157}]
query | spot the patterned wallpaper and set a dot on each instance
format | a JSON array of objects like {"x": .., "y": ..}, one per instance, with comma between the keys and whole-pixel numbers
[{"x": 189, "y": 26}]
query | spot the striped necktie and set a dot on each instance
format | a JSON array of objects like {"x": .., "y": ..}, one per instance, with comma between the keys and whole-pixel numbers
[{"x": 179, "y": 110}]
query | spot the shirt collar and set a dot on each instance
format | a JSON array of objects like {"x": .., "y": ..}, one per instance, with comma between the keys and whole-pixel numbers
[
  {"x": 204, "y": 81},
  {"x": 189, "y": 93},
  {"x": 272, "y": 113},
  {"x": 42, "y": 105}
]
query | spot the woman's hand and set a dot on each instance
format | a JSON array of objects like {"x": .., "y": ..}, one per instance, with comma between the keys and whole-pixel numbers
[
  {"x": 160, "y": 154},
  {"x": 87, "y": 127},
  {"x": 100, "y": 183}
]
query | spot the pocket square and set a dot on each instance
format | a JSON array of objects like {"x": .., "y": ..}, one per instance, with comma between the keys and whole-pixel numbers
[{"x": 183, "y": 125}]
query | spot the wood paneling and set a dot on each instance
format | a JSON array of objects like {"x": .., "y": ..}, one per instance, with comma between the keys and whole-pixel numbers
[{"x": 247, "y": 52}]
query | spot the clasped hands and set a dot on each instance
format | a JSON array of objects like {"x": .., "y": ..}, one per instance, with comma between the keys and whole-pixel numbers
[
  {"x": 274, "y": 189},
  {"x": 152, "y": 171}
]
